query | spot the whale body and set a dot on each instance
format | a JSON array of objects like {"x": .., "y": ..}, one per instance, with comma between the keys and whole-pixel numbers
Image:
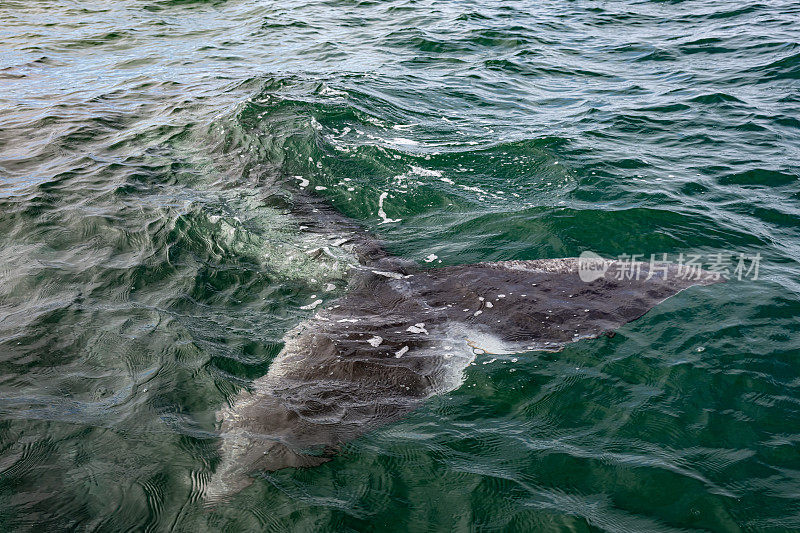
[{"x": 402, "y": 334}]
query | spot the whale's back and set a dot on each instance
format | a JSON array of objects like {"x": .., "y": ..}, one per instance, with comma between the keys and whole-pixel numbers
[{"x": 400, "y": 336}]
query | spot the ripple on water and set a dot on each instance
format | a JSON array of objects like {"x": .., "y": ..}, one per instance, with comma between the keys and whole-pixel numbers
[{"x": 148, "y": 156}]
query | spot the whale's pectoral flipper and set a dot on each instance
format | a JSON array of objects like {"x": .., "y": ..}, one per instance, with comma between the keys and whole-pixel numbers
[{"x": 401, "y": 335}]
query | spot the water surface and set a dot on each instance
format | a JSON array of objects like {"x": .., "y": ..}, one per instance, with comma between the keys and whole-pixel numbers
[{"x": 149, "y": 268}]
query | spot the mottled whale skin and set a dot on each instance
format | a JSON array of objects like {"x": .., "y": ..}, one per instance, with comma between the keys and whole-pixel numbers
[{"x": 402, "y": 334}]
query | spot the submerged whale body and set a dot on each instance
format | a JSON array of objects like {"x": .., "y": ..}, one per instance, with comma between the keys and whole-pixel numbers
[{"x": 402, "y": 334}]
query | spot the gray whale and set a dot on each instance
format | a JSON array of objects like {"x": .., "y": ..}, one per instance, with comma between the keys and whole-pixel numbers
[{"x": 401, "y": 334}]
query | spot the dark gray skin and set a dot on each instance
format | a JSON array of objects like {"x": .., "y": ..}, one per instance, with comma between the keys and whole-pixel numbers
[{"x": 402, "y": 334}]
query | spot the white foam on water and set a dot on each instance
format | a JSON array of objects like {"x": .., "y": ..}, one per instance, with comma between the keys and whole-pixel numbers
[
  {"x": 381, "y": 213},
  {"x": 312, "y": 305},
  {"x": 420, "y": 171}
]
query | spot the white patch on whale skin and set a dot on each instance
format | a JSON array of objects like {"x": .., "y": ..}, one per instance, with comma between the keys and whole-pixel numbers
[
  {"x": 375, "y": 341},
  {"x": 486, "y": 343},
  {"x": 393, "y": 275},
  {"x": 417, "y": 328},
  {"x": 456, "y": 348},
  {"x": 399, "y": 353}
]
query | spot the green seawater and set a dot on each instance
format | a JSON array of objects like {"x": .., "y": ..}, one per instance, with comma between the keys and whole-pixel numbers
[{"x": 148, "y": 268}]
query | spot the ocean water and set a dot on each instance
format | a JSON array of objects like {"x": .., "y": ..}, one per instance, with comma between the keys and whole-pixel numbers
[{"x": 148, "y": 271}]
